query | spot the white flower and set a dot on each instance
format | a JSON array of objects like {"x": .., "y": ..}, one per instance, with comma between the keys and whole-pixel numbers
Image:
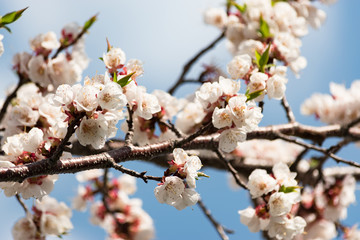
[
  {"x": 92, "y": 132},
  {"x": 209, "y": 93},
  {"x": 229, "y": 86},
  {"x": 192, "y": 165},
  {"x": 136, "y": 66},
  {"x": 22, "y": 115},
  {"x": 38, "y": 71},
  {"x": 38, "y": 187},
  {"x": 229, "y": 139},
  {"x": 113, "y": 59},
  {"x": 21, "y": 62},
  {"x": 55, "y": 216},
  {"x": 192, "y": 114},
  {"x": 170, "y": 104},
  {"x": 222, "y": 117},
  {"x": 188, "y": 198},
  {"x": 63, "y": 71},
  {"x": 249, "y": 218},
  {"x": 86, "y": 98},
  {"x": 170, "y": 192},
  {"x": 286, "y": 229},
  {"x": 16, "y": 144},
  {"x": 147, "y": 105},
  {"x": 112, "y": 97},
  {"x": 280, "y": 203},
  {"x": 258, "y": 83},
  {"x": 321, "y": 230},
  {"x": 79, "y": 201},
  {"x": 239, "y": 66},
  {"x": 127, "y": 184},
  {"x": 47, "y": 41},
  {"x": 24, "y": 229},
  {"x": 260, "y": 183},
  {"x": 216, "y": 17},
  {"x": 276, "y": 87},
  {"x": 249, "y": 47},
  {"x": 283, "y": 175},
  {"x": 234, "y": 30}
]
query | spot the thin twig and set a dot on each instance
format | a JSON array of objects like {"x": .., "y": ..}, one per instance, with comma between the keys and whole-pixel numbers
[
  {"x": 299, "y": 157},
  {"x": 133, "y": 173},
  {"x": 320, "y": 149},
  {"x": 12, "y": 95},
  {"x": 130, "y": 133},
  {"x": 62, "y": 47},
  {"x": 190, "y": 63},
  {"x": 18, "y": 198},
  {"x": 230, "y": 168},
  {"x": 70, "y": 131},
  {"x": 289, "y": 113},
  {"x": 172, "y": 127},
  {"x": 193, "y": 136},
  {"x": 219, "y": 228}
]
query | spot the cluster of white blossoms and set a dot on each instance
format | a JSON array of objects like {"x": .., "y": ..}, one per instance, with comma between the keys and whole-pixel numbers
[
  {"x": 256, "y": 22},
  {"x": 341, "y": 107},
  {"x": 276, "y": 212},
  {"x": 178, "y": 185},
  {"x": 24, "y": 148},
  {"x": 62, "y": 68},
  {"x": 325, "y": 205},
  {"x": 123, "y": 217},
  {"x": 232, "y": 113},
  {"x": 267, "y": 153},
  {"x": 261, "y": 31},
  {"x": 49, "y": 217}
]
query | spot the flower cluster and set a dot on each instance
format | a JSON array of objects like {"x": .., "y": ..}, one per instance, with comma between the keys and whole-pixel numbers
[
  {"x": 177, "y": 187},
  {"x": 232, "y": 113},
  {"x": 120, "y": 216},
  {"x": 276, "y": 212},
  {"x": 326, "y": 204},
  {"x": 62, "y": 68},
  {"x": 26, "y": 148},
  {"x": 267, "y": 153},
  {"x": 259, "y": 34},
  {"x": 49, "y": 217},
  {"x": 341, "y": 107}
]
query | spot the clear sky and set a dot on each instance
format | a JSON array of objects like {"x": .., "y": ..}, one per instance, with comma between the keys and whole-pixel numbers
[{"x": 164, "y": 35}]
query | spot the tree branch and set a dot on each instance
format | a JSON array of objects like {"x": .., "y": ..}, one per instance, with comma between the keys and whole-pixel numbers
[
  {"x": 289, "y": 113},
  {"x": 191, "y": 62},
  {"x": 12, "y": 95},
  {"x": 219, "y": 228},
  {"x": 149, "y": 152}
]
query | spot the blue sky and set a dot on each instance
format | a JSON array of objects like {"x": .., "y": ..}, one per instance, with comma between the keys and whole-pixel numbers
[{"x": 164, "y": 35}]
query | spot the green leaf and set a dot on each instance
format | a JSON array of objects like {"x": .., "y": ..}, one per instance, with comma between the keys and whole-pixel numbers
[
  {"x": 314, "y": 163},
  {"x": 264, "y": 29},
  {"x": 115, "y": 77},
  {"x": 253, "y": 95},
  {"x": 257, "y": 56},
  {"x": 264, "y": 59},
  {"x": 7, "y": 28},
  {"x": 201, "y": 174},
  {"x": 288, "y": 189},
  {"x": 89, "y": 22},
  {"x": 101, "y": 58},
  {"x": 241, "y": 8},
  {"x": 12, "y": 16},
  {"x": 125, "y": 80}
]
